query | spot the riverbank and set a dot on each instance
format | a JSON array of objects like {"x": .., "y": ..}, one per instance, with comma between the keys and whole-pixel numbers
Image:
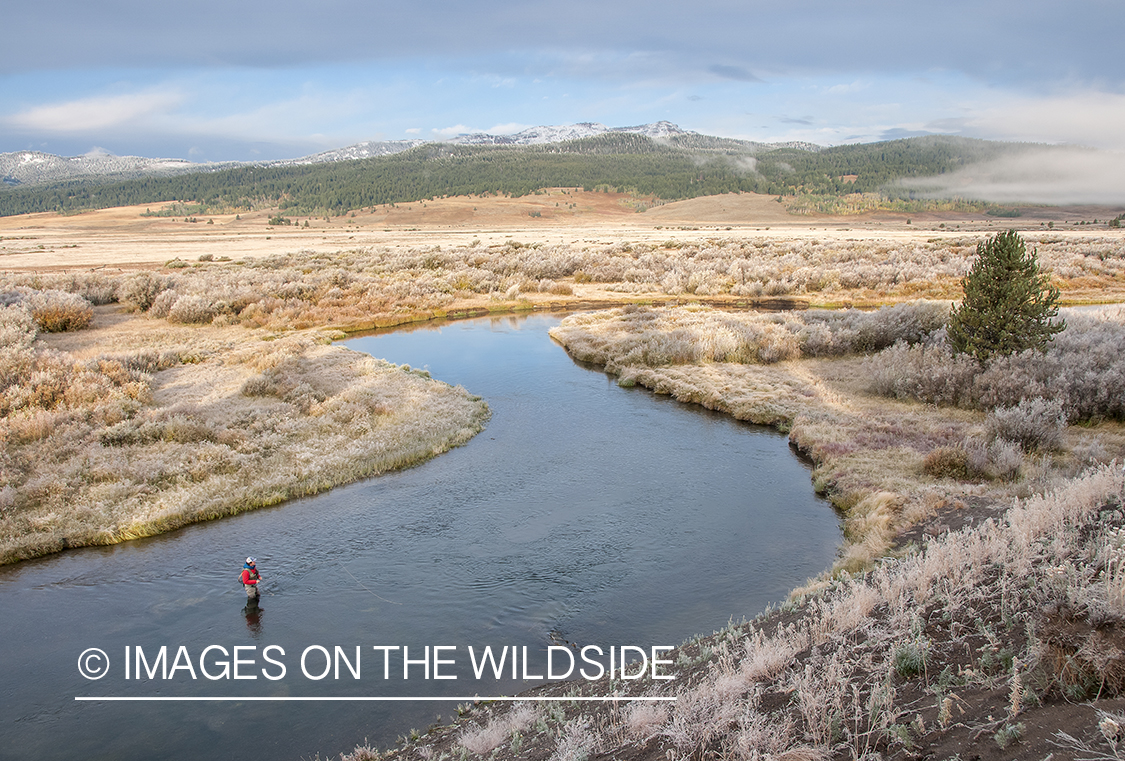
[
  {"x": 134, "y": 426},
  {"x": 996, "y": 641},
  {"x": 812, "y": 374}
]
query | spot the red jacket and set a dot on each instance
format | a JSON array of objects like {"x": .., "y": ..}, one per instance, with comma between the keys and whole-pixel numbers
[{"x": 250, "y": 576}]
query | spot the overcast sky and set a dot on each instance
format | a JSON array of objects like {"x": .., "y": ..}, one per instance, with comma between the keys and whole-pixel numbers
[{"x": 245, "y": 80}]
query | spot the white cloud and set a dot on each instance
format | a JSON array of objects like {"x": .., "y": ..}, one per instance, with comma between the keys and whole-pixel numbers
[
  {"x": 100, "y": 112},
  {"x": 453, "y": 131},
  {"x": 847, "y": 89},
  {"x": 414, "y": 131}
]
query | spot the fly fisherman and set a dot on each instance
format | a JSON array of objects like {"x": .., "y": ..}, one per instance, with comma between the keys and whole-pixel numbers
[{"x": 250, "y": 578}]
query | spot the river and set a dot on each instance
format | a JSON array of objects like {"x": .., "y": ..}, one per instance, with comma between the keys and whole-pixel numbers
[{"x": 585, "y": 514}]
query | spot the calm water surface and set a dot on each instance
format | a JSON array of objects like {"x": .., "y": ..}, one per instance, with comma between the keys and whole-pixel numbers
[{"x": 585, "y": 513}]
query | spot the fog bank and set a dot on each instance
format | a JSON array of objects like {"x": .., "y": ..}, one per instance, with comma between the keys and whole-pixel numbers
[{"x": 1059, "y": 176}]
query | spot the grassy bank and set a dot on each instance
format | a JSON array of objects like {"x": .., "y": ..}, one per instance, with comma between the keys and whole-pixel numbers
[
  {"x": 133, "y": 427},
  {"x": 823, "y": 377}
]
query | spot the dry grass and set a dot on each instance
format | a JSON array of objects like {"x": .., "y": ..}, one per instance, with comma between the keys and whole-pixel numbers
[
  {"x": 371, "y": 286},
  {"x": 862, "y": 662},
  {"x": 101, "y": 447}
]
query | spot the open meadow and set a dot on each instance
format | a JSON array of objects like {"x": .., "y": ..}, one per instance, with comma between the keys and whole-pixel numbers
[{"x": 156, "y": 371}]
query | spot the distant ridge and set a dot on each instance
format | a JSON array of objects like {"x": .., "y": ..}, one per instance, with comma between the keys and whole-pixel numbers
[
  {"x": 675, "y": 165},
  {"x": 36, "y": 168},
  {"x": 662, "y": 131}
]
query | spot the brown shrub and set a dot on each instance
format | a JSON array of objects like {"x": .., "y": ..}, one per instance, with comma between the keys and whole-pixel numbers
[
  {"x": 947, "y": 462},
  {"x": 58, "y": 311}
]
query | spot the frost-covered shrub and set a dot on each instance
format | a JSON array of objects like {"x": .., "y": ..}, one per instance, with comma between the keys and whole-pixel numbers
[
  {"x": 17, "y": 333},
  {"x": 839, "y": 332},
  {"x": 1033, "y": 423},
  {"x": 192, "y": 309},
  {"x": 1006, "y": 458},
  {"x": 929, "y": 374},
  {"x": 162, "y": 303},
  {"x": 1083, "y": 369},
  {"x": 140, "y": 290},
  {"x": 999, "y": 459},
  {"x": 17, "y": 327}
]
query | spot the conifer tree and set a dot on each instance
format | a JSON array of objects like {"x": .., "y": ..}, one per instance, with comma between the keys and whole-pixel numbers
[{"x": 1008, "y": 305}]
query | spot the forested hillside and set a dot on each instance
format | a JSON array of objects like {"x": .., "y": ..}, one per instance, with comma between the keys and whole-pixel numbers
[{"x": 682, "y": 167}]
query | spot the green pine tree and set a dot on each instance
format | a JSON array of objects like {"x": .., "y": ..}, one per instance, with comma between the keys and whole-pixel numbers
[{"x": 1009, "y": 303}]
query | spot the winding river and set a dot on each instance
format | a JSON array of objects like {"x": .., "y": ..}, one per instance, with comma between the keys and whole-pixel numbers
[{"x": 585, "y": 513}]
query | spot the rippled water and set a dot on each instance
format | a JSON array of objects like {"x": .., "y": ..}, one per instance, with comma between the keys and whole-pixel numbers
[{"x": 584, "y": 513}]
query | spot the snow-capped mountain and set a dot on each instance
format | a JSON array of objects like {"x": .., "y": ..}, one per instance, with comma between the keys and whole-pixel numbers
[
  {"x": 559, "y": 134},
  {"x": 33, "y": 167},
  {"x": 365, "y": 150}
]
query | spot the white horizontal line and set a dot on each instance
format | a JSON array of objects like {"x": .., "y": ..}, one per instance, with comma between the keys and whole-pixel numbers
[{"x": 287, "y": 698}]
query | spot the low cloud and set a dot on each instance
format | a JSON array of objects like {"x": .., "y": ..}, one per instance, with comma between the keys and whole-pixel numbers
[
  {"x": 1045, "y": 176},
  {"x": 747, "y": 164},
  {"x": 1092, "y": 118}
]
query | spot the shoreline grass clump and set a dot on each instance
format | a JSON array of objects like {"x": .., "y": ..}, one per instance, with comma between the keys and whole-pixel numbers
[{"x": 101, "y": 448}]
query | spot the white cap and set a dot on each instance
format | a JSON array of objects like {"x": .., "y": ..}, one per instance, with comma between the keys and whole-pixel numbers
[{"x": 249, "y": 560}]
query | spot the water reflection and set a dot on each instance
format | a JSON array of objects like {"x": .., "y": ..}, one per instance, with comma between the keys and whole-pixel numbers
[{"x": 253, "y": 613}]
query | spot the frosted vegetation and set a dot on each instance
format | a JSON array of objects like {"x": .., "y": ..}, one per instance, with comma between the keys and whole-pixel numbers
[
  {"x": 980, "y": 634},
  {"x": 103, "y": 445},
  {"x": 637, "y": 335},
  {"x": 184, "y": 424},
  {"x": 1082, "y": 371},
  {"x": 356, "y": 288}
]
